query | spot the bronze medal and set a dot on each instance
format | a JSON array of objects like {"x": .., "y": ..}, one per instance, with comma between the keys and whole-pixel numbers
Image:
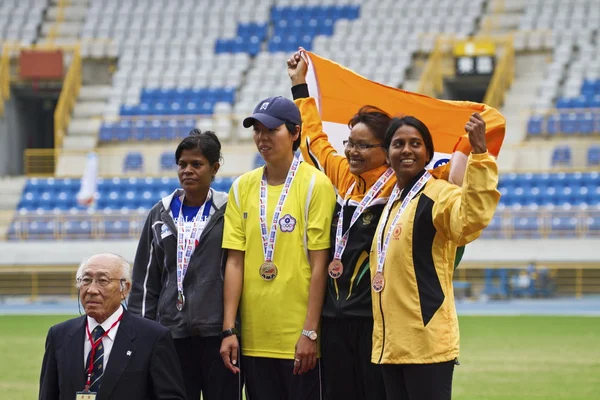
[
  {"x": 180, "y": 301},
  {"x": 268, "y": 271},
  {"x": 378, "y": 282},
  {"x": 335, "y": 269}
]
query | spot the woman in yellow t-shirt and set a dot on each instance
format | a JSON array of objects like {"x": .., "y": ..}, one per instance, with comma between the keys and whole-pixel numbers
[{"x": 277, "y": 234}]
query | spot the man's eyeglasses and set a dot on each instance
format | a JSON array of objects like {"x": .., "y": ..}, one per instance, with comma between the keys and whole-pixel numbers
[
  {"x": 102, "y": 281},
  {"x": 359, "y": 146}
]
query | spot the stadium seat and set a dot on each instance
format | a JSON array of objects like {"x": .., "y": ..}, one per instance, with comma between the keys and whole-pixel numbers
[
  {"x": 167, "y": 161},
  {"x": 593, "y": 156},
  {"x": 134, "y": 161},
  {"x": 561, "y": 156}
]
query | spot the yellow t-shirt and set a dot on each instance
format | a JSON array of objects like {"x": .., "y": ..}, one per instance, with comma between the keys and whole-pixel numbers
[{"x": 273, "y": 312}]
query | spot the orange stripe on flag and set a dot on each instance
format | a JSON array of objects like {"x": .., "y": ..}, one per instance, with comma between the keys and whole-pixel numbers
[{"x": 341, "y": 92}]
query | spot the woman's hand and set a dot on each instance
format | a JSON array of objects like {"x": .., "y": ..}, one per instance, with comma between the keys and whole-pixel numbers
[
  {"x": 297, "y": 68},
  {"x": 475, "y": 127}
]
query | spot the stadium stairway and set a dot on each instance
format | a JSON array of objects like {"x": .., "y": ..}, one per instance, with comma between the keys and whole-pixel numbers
[
  {"x": 11, "y": 194},
  {"x": 63, "y": 21},
  {"x": 87, "y": 117}
]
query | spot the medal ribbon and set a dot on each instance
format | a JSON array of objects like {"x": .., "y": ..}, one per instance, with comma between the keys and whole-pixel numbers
[
  {"x": 268, "y": 238},
  {"x": 342, "y": 240},
  {"x": 382, "y": 250},
  {"x": 95, "y": 346},
  {"x": 186, "y": 246}
]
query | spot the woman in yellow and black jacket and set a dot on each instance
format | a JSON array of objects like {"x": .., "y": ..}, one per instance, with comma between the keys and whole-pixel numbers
[
  {"x": 347, "y": 317},
  {"x": 415, "y": 335}
]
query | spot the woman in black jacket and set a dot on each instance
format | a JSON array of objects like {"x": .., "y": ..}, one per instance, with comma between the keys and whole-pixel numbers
[{"x": 178, "y": 269}]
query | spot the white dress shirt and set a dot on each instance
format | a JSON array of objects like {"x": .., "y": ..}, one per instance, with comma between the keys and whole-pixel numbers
[{"x": 108, "y": 340}]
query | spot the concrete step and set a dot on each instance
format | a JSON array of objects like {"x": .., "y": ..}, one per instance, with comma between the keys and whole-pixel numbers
[
  {"x": 70, "y": 13},
  {"x": 84, "y": 127},
  {"x": 71, "y": 164},
  {"x": 72, "y": 2},
  {"x": 89, "y": 109},
  {"x": 95, "y": 92},
  {"x": 411, "y": 85},
  {"x": 11, "y": 191},
  {"x": 65, "y": 29},
  {"x": 80, "y": 142}
]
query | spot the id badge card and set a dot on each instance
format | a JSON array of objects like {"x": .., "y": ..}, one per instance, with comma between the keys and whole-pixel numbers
[{"x": 85, "y": 396}]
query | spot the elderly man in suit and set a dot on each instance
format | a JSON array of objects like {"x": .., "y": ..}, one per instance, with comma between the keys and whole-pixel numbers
[{"x": 109, "y": 353}]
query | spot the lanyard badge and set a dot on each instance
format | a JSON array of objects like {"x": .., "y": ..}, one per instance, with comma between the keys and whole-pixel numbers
[
  {"x": 336, "y": 268},
  {"x": 268, "y": 270},
  {"x": 378, "y": 282},
  {"x": 187, "y": 243}
]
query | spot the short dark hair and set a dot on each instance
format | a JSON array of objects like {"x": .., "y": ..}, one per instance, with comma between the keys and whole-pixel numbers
[
  {"x": 374, "y": 118},
  {"x": 291, "y": 127},
  {"x": 416, "y": 123},
  {"x": 207, "y": 142}
]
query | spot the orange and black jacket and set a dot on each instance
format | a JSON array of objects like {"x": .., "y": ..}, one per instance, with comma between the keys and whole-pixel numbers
[{"x": 348, "y": 296}]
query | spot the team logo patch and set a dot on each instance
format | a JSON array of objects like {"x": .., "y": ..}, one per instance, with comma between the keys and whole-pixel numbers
[
  {"x": 367, "y": 217},
  {"x": 397, "y": 232},
  {"x": 165, "y": 231},
  {"x": 287, "y": 223}
]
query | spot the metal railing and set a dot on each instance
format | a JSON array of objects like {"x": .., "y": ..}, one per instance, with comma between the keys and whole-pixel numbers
[
  {"x": 562, "y": 280},
  {"x": 439, "y": 65},
  {"x": 4, "y": 77},
  {"x": 503, "y": 76},
  {"x": 432, "y": 80},
  {"x": 60, "y": 17},
  {"x": 508, "y": 224},
  {"x": 67, "y": 98},
  {"x": 40, "y": 162}
]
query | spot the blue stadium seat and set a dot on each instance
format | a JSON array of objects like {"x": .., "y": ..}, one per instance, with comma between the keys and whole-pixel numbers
[
  {"x": 133, "y": 161},
  {"x": 527, "y": 226},
  {"x": 593, "y": 156},
  {"x": 534, "y": 125},
  {"x": 563, "y": 227},
  {"x": 561, "y": 156},
  {"x": 564, "y": 102},
  {"x": 167, "y": 161},
  {"x": 586, "y": 123},
  {"x": 568, "y": 123},
  {"x": 592, "y": 225},
  {"x": 553, "y": 124}
]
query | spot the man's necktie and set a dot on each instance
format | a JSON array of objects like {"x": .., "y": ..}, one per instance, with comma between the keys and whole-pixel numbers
[{"x": 98, "y": 370}]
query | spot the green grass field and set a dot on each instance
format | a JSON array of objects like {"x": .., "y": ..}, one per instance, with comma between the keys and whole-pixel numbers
[{"x": 502, "y": 357}]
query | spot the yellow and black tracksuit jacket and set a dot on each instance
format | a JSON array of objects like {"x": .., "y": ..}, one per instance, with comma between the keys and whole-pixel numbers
[
  {"x": 415, "y": 316},
  {"x": 348, "y": 296}
]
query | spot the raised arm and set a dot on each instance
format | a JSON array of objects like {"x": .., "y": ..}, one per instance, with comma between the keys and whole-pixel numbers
[
  {"x": 462, "y": 213},
  {"x": 315, "y": 146}
]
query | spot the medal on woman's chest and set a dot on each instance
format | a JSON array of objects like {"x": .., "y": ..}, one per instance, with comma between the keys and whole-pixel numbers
[
  {"x": 335, "y": 269},
  {"x": 268, "y": 271}
]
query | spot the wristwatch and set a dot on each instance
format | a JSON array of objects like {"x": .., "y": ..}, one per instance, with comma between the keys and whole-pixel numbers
[
  {"x": 228, "y": 332},
  {"x": 312, "y": 335}
]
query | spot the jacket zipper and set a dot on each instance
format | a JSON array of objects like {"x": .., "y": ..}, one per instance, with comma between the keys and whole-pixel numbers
[{"x": 383, "y": 329}]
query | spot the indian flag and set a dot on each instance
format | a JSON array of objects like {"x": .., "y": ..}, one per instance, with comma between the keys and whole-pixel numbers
[{"x": 340, "y": 92}]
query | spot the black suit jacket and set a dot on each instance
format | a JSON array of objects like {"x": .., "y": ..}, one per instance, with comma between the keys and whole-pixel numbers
[{"x": 142, "y": 364}]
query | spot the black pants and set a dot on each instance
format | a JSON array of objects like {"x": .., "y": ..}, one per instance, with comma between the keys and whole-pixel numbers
[
  {"x": 274, "y": 379},
  {"x": 418, "y": 381},
  {"x": 348, "y": 373},
  {"x": 204, "y": 371}
]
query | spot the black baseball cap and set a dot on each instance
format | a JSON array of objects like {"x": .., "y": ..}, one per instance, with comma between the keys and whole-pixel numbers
[{"x": 274, "y": 112}]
